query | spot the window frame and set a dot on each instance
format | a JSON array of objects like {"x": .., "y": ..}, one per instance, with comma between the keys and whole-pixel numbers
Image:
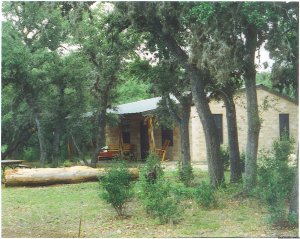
[{"x": 284, "y": 120}]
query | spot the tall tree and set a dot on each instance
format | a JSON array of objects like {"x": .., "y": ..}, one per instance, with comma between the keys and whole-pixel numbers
[
  {"x": 247, "y": 25},
  {"x": 162, "y": 20},
  {"x": 35, "y": 28},
  {"x": 33, "y": 36},
  {"x": 103, "y": 41},
  {"x": 283, "y": 45},
  {"x": 219, "y": 47}
]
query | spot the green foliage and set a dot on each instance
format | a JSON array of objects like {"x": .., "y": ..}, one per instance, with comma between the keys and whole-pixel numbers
[
  {"x": 293, "y": 219},
  {"x": 117, "y": 185},
  {"x": 182, "y": 192},
  {"x": 185, "y": 173},
  {"x": 204, "y": 195},
  {"x": 283, "y": 148},
  {"x": 30, "y": 154},
  {"x": 275, "y": 179},
  {"x": 132, "y": 89},
  {"x": 3, "y": 148},
  {"x": 225, "y": 156},
  {"x": 156, "y": 192},
  {"x": 264, "y": 78}
]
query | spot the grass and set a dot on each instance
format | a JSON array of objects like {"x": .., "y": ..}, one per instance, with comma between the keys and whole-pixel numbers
[{"x": 55, "y": 211}]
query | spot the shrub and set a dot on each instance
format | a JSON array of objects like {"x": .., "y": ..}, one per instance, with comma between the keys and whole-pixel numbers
[
  {"x": 155, "y": 192},
  {"x": 275, "y": 179},
  {"x": 204, "y": 195},
  {"x": 185, "y": 173},
  {"x": 117, "y": 185},
  {"x": 293, "y": 219},
  {"x": 182, "y": 192}
]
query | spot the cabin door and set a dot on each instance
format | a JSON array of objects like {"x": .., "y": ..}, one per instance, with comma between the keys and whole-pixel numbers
[{"x": 144, "y": 140}]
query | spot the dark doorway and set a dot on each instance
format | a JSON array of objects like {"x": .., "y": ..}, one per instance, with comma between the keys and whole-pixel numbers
[{"x": 144, "y": 140}]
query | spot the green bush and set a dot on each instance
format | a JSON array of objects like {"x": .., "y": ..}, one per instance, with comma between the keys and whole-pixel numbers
[
  {"x": 182, "y": 192},
  {"x": 156, "y": 192},
  {"x": 204, "y": 195},
  {"x": 275, "y": 179},
  {"x": 185, "y": 173},
  {"x": 117, "y": 187},
  {"x": 293, "y": 219}
]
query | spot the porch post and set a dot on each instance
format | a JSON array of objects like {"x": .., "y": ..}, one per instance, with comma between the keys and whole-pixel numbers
[
  {"x": 120, "y": 139},
  {"x": 151, "y": 134}
]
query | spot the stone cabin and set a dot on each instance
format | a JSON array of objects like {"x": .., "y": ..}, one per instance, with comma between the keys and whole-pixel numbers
[{"x": 278, "y": 113}]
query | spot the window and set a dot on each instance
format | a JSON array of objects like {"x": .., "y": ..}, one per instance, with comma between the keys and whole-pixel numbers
[
  {"x": 126, "y": 132},
  {"x": 284, "y": 125},
  {"x": 166, "y": 134},
  {"x": 218, "y": 118}
]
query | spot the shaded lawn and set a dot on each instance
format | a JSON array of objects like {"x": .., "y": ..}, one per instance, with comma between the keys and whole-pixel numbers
[{"x": 56, "y": 211}]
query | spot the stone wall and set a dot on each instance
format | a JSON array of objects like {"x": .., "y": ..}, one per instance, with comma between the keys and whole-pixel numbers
[{"x": 270, "y": 106}]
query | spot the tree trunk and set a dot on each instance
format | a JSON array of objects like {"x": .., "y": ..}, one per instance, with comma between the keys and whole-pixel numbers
[
  {"x": 252, "y": 110},
  {"x": 101, "y": 135},
  {"x": 42, "y": 142},
  {"x": 233, "y": 140},
  {"x": 184, "y": 133},
  {"x": 215, "y": 164},
  {"x": 50, "y": 176}
]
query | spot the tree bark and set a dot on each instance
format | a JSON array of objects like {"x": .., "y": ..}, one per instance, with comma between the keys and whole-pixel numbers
[
  {"x": 215, "y": 164},
  {"x": 184, "y": 132},
  {"x": 252, "y": 110},
  {"x": 50, "y": 176},
  {"x": 233, "y": 140}
]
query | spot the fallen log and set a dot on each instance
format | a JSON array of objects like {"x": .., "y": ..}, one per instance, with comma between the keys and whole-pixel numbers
[{"x": 50, "y": 176}]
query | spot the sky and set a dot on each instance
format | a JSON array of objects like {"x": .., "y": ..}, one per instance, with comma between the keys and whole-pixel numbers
[{"x": 264, "y": 57}]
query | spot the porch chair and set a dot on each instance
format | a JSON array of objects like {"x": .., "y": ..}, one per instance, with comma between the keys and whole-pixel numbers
[{"x": 162, "y": 152}]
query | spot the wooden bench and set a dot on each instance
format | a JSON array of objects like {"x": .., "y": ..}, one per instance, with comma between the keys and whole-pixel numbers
[{"x": 112, "y": 151}]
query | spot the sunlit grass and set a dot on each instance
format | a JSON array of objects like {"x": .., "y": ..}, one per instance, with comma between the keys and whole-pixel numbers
[{"x": 56, "y": 211}]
